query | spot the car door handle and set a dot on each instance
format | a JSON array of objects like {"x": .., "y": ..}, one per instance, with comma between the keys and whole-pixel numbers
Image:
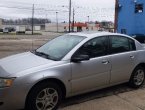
[
  {"x": 131, "y": 56},
  {"x": 105, "y": 62}
]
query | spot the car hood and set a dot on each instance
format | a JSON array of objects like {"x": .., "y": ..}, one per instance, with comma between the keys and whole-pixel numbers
[{"x": 21, "y": 62}]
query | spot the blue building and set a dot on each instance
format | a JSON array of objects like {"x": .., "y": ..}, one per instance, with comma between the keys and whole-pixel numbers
[{"x": 130, "y": 16}]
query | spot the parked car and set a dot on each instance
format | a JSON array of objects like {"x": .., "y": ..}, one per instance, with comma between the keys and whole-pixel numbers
[
  {"x": 11, "y": 29},
  {"x": 1, "y": 30},
  {"x": 27, "y": 29},
  {"x": 5, "y": 30},
  {"x": 139, "y": 37},
  {"x": 69, "y": 65}
]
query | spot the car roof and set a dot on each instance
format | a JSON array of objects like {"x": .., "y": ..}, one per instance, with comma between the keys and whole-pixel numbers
[{"x": 89, "y": 34}]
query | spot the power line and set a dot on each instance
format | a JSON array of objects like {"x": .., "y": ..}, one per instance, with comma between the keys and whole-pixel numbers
[
  {"x": 93, "y": 12},
  {"x": 60, "y": 6},
  {"x": 80, "y": 10},
  {"x": 30, "y": 4},
  {"x": 26, "y": 8},
  {"x": 7, "y": 1},
  {"x": 29, "y": 8}
]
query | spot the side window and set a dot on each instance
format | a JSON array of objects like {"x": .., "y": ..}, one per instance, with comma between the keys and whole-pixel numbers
[
  {"x": 94, "y": 48},
  {"x": 119, "y": 44},
  {"x": 132, "y": 45}
]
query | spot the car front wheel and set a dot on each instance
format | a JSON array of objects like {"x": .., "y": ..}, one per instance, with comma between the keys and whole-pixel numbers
[
  {"x": 137, "y": 78},
  {"x": 45, "y": 96}
]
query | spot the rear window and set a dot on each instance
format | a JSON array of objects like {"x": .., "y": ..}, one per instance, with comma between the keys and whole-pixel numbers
[{"x": 121, "y": 44}]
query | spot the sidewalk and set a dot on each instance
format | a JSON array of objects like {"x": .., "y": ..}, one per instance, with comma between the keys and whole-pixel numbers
[{"x": 132, "y": 100}]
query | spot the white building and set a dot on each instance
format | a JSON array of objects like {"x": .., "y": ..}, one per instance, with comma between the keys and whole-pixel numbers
[
  {"x": 1, "y": 24},
  {"x": 62, "y": 27},
  {"x": 53, "y": 27}
]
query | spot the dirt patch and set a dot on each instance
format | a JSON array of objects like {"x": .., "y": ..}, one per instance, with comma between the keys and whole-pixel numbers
[{"x": 10, "y": 47}]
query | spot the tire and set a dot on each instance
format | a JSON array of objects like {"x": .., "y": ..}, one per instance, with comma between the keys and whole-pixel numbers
[
  {"x": 137, "y": 77},
  {"x": 46, "y": 95}
]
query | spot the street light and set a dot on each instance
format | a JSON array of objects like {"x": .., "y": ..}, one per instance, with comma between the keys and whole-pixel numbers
[
  {"x": 73, "y": 18},
  {"x": 88, "y": 19},
  {"x": 57, "y": 21},
  {"x": 69, "y": 14},
  {"x": 69, "y": 8},
  {"x": 70, "y": 3},
  {"x": 73, "y": 23},
  {"x": 33, "y": 19}
]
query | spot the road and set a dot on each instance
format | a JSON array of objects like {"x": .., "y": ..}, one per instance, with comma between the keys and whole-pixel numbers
[{"x": 119, "y": 97}]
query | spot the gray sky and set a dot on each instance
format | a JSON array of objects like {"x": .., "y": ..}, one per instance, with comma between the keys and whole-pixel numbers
[{"x": 95, "y": 9}]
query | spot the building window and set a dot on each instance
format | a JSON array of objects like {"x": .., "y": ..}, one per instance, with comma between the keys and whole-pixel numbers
[
  {"x": 138, "y": 8},
  {"x": 123, "y": 31}
]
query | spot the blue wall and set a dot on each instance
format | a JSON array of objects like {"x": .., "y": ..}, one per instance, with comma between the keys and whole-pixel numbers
[{"x": 134, "y": 23}]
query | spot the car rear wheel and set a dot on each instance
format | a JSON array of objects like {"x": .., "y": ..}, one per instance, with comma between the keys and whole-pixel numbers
[
  {"x": 138, "y": 77},
  {"x": 45, "y": 96}
]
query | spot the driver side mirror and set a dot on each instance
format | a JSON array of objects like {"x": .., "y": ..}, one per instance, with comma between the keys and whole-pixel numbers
[{"x": 79, "y": 58}]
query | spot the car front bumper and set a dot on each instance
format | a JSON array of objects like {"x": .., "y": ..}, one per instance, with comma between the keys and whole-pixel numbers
[{"x": 13, "y": 98}]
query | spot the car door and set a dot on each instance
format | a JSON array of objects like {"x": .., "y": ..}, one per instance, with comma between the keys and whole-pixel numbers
[
  {"x": 88, "y": 75},
  {"x": 123, "y": 54}
]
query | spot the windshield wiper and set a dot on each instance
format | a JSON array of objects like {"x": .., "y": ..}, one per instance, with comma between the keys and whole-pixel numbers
[{"x": 42, "y": 54}]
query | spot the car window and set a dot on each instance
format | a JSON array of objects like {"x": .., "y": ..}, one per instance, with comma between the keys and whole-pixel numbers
[
  {"x": 140, "y": 38},
  {"x": 57, "y": 48},
  {"x": 94, "y": 48},
  {"x": 132, "y": 45},
  {"x": 121, "y": 44}
]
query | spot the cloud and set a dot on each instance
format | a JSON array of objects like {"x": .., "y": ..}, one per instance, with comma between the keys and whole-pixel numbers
[{"x": 96, "y": 9}]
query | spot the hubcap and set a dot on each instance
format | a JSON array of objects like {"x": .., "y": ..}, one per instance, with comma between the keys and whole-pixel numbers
[
  {"x": 139, "y": 77},
  {"x": 47, "y": 99}
]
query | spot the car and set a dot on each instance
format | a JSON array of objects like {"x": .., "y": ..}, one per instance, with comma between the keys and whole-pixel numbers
[
  {"x": 1, "y": 30},
  {"x": 11, "y": 29},
  {"x": 139, "y": 37},
  {"x": 70, "y": 65},
  {"x": 5, "y": 30}
]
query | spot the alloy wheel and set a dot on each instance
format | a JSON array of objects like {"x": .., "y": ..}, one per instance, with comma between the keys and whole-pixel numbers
[
  {"x": 139, "y": 77},
  {"x": 47, "y": 99}
]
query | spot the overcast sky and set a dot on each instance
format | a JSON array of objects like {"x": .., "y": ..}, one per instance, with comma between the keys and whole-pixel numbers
[{"x": 95, "y": 9}]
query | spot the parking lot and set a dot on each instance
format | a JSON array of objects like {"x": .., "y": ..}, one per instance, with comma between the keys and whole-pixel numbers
[
  {"x": 13, "y": 44},
  {"x": 119, "y": 97}
]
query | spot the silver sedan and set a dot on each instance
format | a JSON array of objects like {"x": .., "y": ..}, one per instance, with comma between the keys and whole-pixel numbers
[{"x": 69, "y": 65}]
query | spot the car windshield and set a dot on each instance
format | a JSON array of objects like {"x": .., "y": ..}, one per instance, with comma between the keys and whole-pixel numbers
[{"x": 57, "y": 48}]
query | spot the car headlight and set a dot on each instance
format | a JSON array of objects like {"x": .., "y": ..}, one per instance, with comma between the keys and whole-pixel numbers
[{"x": 6, "y": 82}]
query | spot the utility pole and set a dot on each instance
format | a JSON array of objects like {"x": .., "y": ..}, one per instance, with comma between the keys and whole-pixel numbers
[
  {"x": 33, "y": 19},
  {"x": 73, "y": 20},
  {"x": 70, "y": 15},
  {"x": 57, "y": 21},
  {"x": 116, "y": 16}
]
